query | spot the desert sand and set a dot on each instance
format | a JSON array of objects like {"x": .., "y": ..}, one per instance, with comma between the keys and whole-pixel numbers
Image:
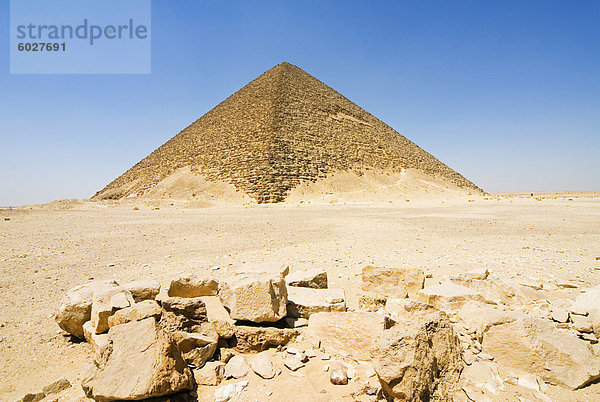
[{"x": 46, "y": 250}]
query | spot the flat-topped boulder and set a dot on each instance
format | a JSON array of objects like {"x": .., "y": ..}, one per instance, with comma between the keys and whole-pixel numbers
[
  {"x": 143, "y": 362},
  {"x": 392, "y": 281},
  {"x": 193, "y": 286},
  {"x": 258, "y": 297},
  {"x": 76, "y": 307},
  {"x": 303, "y": 301},
  {"x": 346, "y": 333}
]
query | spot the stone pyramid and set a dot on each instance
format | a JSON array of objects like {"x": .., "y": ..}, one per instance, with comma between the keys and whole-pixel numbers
[{"x": 282, "y": 129}]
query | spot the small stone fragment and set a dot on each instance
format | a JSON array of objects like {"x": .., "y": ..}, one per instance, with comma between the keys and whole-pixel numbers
[
  {"x": 262, "y": 365},
  {"x": 56, "y": 387},
  {"x": 236, "y": 367},
  {"x": 230, "y": 391},
  {"x": 211, "y": 373},
  {"x": 292, "y": 362},
  {"x": 338, "y": 374}
]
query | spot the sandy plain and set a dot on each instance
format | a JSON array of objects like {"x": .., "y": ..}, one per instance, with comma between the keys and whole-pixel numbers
[{"x": 45, "y": 250}]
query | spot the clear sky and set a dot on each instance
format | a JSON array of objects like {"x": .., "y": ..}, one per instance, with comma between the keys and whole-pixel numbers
[{"x": 505, "y": 92}]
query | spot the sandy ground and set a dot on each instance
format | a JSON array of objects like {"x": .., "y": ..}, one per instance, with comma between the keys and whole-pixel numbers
[{"x": 45, "y": 251}]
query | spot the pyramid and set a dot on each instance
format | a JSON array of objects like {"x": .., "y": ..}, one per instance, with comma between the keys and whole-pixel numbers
[{"x": 282, "y": 129}]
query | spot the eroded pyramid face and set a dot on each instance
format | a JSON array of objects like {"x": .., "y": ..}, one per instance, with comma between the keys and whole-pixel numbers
[{"x": 283, "y": 129}]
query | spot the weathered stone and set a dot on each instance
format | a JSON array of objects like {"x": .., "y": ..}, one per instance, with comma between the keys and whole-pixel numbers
[
  {"x": 182, "y": 313},
  {"x": 230, "y": 391},
  {"x": 536, "y": 346},
  {"x": 418, "y": 359},
  {"x": 392, "y": 282},
  {"x": 480, "y": 317},
  {"x": 347, "y": 333},
  {"x": 478, "y": 273},
  {"x": 197, "y": 347},
  {"x": 143, "y": 362},
  {"x": 57, "y": 386},
  {"x": 144, "y": 289},
  {"x": 582, "y": 323},
  {"x": 400, "y": 309},
  {"x": 256, "y": 298},
  {"x": 99, "y": 342},
  {"x": 302, "y": 302},
  {"x": 218, "y": 316},
  {"x": 262, "y": 365},
  {"x": 137, "y": 312},
  {"x": 588, "y": 303},
  {"x": 236, "y": 367},
  {"x": 483, "y": 375},
  {"x": 33, "y": 397},
  {"x": 490, "y": 289},
  {"x": 449, "y": 292},
  {"x": 193, "y": 286},
  {"x": 338, "y": 374},
  {"x": 76, "y": 307},
  {"x": 249, "y": 339},
  {"x": 212, "y": 373},
  {"x": 371, "y": 302},
  {"x": 296, "y": 322},
  {"x": 105, "y": 304},
  {"x": 560, "y": 315},
  {"x": 293, "y": 362},
  {"x": 314, "y": 278}
]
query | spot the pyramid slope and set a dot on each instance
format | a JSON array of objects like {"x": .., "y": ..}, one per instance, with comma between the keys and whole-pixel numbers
[{"x": 282, "y": 129}]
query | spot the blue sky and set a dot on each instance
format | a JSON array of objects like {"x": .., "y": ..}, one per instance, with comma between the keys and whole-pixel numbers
[{"x": 506, "y": 93}]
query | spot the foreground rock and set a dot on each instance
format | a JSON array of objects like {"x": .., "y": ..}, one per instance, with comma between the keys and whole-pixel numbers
[
  {"x": 314, "y": 278},
  {"x": 105, "y": 304},
  {"x": 99, "y": 342},
  {"x": 144, "y": 289},
  {"x": 303, "y": 302},
  {"x": 248, "y": 339},
  {"x": 218, "y": 316},
  {"x": 260, "y": 297},
  {"x": 418, "y": 359},
  {"x": 212, "y": 373},
  {"x": 346, "y": 334},
  {"x": 143, "y": 362},
  {"x": 449, "y": 293},
  {"x": 535, "y": 346},
  {"x": 587, "y": 303},
  {"x": 262, "y": 365},
  {"x": 185, "y": 314},
  {"x": 392, "y": 282},
  {"x": 76, "y": 307},
  {"x": 193, "y": 286},
  {"x": 137, "y": 312},
  {"x": 197, "y": 347}
]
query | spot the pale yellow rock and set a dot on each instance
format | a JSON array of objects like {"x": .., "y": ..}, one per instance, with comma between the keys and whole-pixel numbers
[
  {"x": 105, "y": 304},
  {"x": 137, "y": 312},
  {"x": 212, "y": 373},
  {"x": 143, "y": 362},
  {"x": 449, "y": 293},
  {"x": 76, "y": 307},
  {"x": 313, "y": 278},
  {"x": 249, "y": 339},
  {"x": 303, "y": 301},
  {"x": 218, "y": 316},
  {"x": 144, "y": 289},
  {"x": 392, "y": 282},
  {"x": 99, "y": 342},
  {"x": 193, "y": 286},
  {"x": 181, "y": 313},
  {"x": 346, "y": 334},
  {"x": 535, "y": 346},
  {"x": 418, "y": 359},
  {"x": 262, "y": 365},
  {"x": 257, "y": 297},
  {"x": 197, "y": 348}
]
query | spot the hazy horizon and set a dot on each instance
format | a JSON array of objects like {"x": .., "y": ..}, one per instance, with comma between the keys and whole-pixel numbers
[{"x": 507, "y": 94}]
